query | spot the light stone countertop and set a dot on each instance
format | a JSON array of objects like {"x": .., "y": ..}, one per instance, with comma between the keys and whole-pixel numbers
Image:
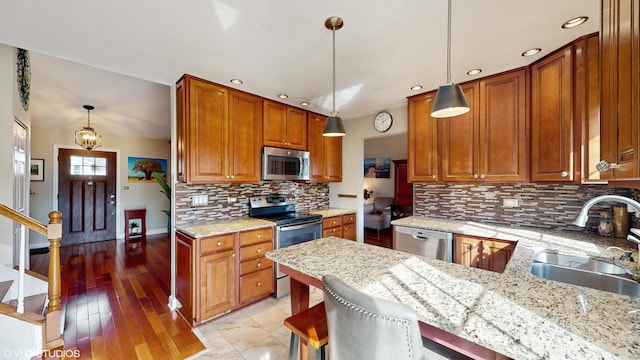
[
  {"x": 515, "y": 313},
  {"x": 332, "y": 212},
  {"x": 210, "y": 228}
]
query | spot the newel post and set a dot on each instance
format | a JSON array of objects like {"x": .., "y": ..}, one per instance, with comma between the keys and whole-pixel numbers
[{"x": 54, "y": 234}]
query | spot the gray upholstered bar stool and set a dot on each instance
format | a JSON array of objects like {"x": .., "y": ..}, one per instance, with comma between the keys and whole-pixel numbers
[{"x": 309, "y": 325}]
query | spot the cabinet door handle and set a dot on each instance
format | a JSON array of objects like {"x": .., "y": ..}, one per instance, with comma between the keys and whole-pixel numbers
[
  {"x": 481, "y": 176},
  {"x": 475, "y": 176},
  {"x": 433, "y": 176},
  {"x": 233, "y": 255},
  {"x": 564, "y": 174},
  {"x": 259, "y": 284}
]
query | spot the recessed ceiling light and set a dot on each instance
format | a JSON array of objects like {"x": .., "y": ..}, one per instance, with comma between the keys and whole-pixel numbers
[
  {"x": 474, "y": 72},
  {"x": 283, "y": 96},
  {"x": 531, "y": 52},
  {"x": 304, "y": 103},
  {"x": 236, "y": 81},
  {"x": 575, "y": 22},
  {"x": 416, "y": 87}
]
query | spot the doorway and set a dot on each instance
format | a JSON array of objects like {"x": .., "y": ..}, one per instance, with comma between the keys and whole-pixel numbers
[
  {"x": 20, "y": 186},
  {"x": 87, "y": 195}
]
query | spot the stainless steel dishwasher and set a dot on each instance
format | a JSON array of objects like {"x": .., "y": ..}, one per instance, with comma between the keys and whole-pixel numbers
[{"x": 427, "y": 243}]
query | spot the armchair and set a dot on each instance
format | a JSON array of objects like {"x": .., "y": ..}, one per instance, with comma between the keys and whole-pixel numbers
[{"x": 374, "y": 215}]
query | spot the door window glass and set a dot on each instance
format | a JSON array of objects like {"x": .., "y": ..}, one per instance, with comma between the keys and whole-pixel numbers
[{"x": 88, "y": 165}]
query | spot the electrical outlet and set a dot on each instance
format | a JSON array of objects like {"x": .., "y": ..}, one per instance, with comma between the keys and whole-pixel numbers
[
  {"x": 510, "y": 203},
  {"x": 231, "y": 200},
  {"x": 197, "y": 200}
]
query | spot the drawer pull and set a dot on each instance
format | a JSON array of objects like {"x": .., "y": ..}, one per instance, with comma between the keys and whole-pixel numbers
[
  {"x": 259, "y": 284},
  {"x": 259, "y": 264},
  {"x": 219, "y": 243},
  {"x": 259, "y": 250},
  {"x": 259, "y": 236},
  {"x": 233, "y": 255}
]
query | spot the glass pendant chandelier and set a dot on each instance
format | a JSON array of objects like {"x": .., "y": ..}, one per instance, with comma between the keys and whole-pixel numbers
[{"x": 87, "y": 137}]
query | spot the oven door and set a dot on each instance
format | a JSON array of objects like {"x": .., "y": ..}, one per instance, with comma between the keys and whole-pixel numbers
[{"x": 291, "y": 235}]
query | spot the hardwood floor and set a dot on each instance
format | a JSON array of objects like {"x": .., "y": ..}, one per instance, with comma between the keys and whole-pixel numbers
[
  {"x": 384, "y": 238},
  {"x": 114, "y": 301}
]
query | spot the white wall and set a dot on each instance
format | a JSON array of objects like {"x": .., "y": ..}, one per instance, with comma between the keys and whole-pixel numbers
[
  {"x": 388, "y": 146},
  {"x": 358, "y": 130},
  {"x": 139, "y": 195}
]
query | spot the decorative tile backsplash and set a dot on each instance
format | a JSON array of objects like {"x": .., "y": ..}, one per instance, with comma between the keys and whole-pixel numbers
[
  {"x": 306, "y": 196},
  {"x": 551, "y": 206}
]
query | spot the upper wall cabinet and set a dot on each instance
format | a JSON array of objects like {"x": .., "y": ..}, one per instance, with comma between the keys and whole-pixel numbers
[
  {"x": 489, "y": 142},
  {"x": 219, "y": 133},
  {"x": 422, "y": 139},
  {"x": 619, "y": 46},
  {"x": 325, "y": 152},
  {"x": 284, "y": 126},
  {"x": 552, "y": 145}
]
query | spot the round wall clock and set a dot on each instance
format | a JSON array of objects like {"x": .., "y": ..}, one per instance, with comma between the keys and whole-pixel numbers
[
  {"x": 383, "y": 121},
  {"x": 24, "y": 77}
]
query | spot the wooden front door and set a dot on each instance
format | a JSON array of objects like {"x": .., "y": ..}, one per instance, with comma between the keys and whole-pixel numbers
[{"x": 87, "y": 195}]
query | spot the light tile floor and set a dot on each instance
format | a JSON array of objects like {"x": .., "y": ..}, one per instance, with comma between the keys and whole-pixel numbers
[{"x": 252, "y": 333}]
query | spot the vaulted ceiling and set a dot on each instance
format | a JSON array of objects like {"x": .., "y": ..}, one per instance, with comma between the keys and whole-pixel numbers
[{"x": 120, "y": 55}]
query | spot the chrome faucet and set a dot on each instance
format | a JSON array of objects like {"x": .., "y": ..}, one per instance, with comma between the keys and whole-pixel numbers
[{"x": 583, "y": 215}]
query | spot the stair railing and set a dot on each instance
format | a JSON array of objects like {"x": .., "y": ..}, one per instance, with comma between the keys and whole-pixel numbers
[{"x": 53, "y": 232}]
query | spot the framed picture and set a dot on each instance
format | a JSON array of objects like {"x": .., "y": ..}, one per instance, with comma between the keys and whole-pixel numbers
[
  {"x": 379, "y": 167},
  {"x": 37, "y": 170},
  {"x": 139, "y": 169}
]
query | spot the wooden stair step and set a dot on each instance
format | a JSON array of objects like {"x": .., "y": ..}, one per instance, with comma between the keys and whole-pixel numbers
[
  {"x": 32, "y": 303},
  {"x": 4, "y": 287}
]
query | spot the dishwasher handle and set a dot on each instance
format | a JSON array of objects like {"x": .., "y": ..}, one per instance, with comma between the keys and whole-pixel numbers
[{"x": 424, "y": 234}]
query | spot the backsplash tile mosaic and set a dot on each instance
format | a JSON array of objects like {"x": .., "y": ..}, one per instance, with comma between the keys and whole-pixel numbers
[
  {"x": 550, "y": 206},
  {"x": 307, "y": 197}
]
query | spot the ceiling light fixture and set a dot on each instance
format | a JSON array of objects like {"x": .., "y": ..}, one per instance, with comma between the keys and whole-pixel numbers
[
  {"x": 575, "y": 22},
  {"x": 416, "y": 87},
  {"x": 304, "y": 103},
  {"x": 474, "y": 72},
  {"x": 87, "y": 137},
  {"x": 236, "y": 81},
  {"x": 450, "y": 100},
  {"x": 531, "y": 52},
  {"x": 334, "y": 127},
  {"x": 283, "y": 96}
]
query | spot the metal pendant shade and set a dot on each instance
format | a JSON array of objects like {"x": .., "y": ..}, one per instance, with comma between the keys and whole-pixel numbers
[
  {"x": 334, "y": 127},
  {"x": 87, "y": 137},
  {"x": 450, "y": 100}
]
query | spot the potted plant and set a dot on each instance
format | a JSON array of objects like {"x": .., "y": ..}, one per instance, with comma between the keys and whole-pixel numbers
[{"x": 167, "y": 191}]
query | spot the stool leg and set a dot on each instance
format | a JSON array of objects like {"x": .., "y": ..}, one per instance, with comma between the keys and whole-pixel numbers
[{"x": 293, "y": 346}]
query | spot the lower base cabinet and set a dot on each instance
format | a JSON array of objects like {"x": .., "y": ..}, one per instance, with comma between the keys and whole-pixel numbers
[
  {"x": 222, "y": 273},
  {"x": 343, "y": 226},
  {"x": 483, "y": 253}
]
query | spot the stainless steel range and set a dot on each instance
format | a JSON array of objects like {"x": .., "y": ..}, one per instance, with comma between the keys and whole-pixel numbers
[{"x": 292, "y": 227}]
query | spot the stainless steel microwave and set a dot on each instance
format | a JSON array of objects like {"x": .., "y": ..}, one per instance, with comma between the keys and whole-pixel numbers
[{"x": 284, "y": 164}]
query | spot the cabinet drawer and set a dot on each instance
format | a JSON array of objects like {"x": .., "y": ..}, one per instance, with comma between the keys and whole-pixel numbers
[
  {"x": 336, "y": 231},
  {"x": 348, "y": 219},
  {"x": 254, "y": 251},
  {"x": 256, "y": 236},
  {"x": 259, "y": 283},
  {"x": 250, "y": 266},
  {"x": 218, "y": 243},
  {"x": 331, "y": 222}
]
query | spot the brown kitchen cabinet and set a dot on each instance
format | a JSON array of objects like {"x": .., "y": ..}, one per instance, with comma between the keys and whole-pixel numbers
[
  {"x": 325, "y": 152},
  {"x": 219, "y": 133},
  {"x": 349, "y": 226},
  {"x": 489, "y": 142},
  {"x": 221, "y": 273},
  {"x": 422, "y": 137},
  {"x": 343, "y": 226},
  {"x": 284, "y": 126},
  {"x": 482, "y": 253},
  {"x": 552, "y": 131},
  {"x": 402, "y": 188},
  {"x": 620, "y": 99}
]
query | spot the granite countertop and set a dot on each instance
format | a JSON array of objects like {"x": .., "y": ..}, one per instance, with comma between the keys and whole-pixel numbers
[
  {"x": 332, "y": 212},
  {"x": 515, "y": 313},
  {"x": 210, "y": 228}
]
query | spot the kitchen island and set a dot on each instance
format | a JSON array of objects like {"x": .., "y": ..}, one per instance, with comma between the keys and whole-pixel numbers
[{"x": 515, "y": 314}]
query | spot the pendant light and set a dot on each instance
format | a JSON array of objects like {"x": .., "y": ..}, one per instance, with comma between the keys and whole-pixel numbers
[
  {"x": 334, "y": 127},
  {"x": 87, "y": 137},
  {"x": 450, "y": 100}
]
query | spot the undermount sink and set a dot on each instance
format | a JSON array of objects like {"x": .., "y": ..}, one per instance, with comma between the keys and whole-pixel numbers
[
  {"x": 579, "y": 262},
  {"x": 587, "y": 272}
]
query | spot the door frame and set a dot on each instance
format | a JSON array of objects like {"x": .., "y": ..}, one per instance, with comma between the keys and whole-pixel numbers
[{"x": 119, "y": 217}]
